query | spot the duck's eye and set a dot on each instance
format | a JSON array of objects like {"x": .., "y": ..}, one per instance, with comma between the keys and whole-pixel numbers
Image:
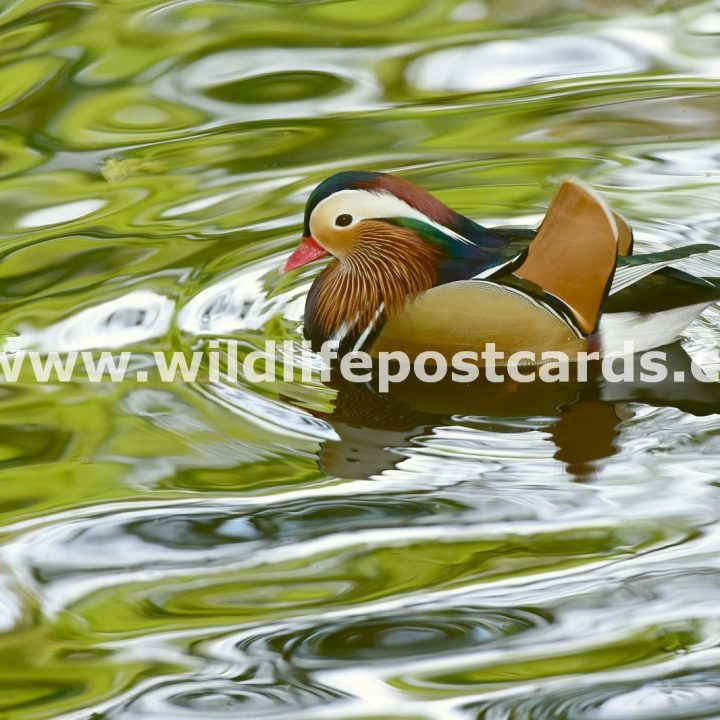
[{"x": 343, "y": 220}]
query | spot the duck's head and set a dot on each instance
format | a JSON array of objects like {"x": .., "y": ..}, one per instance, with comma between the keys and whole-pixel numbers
[
  {"x": 350, "y": 213},
  {"x": 390, "y": 241}
]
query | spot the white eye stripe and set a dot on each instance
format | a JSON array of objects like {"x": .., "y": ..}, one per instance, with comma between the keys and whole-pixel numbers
[{"x": 369, "y": 205}]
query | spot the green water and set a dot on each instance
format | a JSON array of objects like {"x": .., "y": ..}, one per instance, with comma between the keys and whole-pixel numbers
[{"x": 308, "y": 551}]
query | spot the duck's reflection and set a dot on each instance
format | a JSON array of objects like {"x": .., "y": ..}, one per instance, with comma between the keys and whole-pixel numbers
[{"x": 374, "y": 427}]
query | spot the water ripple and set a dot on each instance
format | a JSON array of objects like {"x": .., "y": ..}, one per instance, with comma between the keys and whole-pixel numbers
[{"x": 307, "y": 549}]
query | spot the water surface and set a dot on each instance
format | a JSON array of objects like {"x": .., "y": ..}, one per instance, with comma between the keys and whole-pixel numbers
[{"x": 309, "y": 550}]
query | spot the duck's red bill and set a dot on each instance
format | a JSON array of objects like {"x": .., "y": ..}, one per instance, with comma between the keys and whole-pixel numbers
[{"x": 307, "y": 251}]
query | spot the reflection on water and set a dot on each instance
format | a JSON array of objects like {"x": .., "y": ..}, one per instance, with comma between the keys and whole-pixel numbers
[
  {"x": 304, "y": 550},
  {"x": 581, "y": 419}
]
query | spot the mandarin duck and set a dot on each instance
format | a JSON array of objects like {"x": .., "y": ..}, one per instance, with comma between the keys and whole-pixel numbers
[{"x": 409, "y": 273}]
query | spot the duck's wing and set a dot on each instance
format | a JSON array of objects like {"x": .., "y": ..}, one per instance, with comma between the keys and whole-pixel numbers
[
  {"x": 520, "y": 237},
  {"x": 655, "y": 309},
  {"x": 626, "y": 238},
  {"x": 665, "y": 289},
  {"x": 574, "y": 253},
  {"x": 631, "y": 270}
]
